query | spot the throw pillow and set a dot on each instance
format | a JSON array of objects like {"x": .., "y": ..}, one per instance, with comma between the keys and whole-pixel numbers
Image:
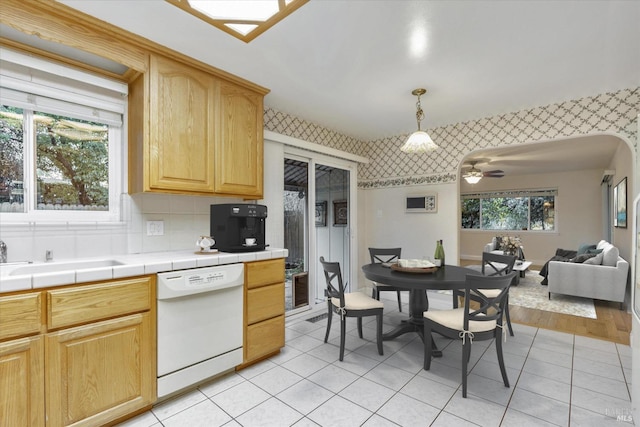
[
  {"x": 582, "y": 258},
  {"x": 498, "y": 245},
  {"x": 601, "y": 244},
  {"x": 583, "y": 249},
  {"x": 610, "y": 256},
  {"x": 567, "y": 253},
  {"x": 594, "y": 251},
  {"x": 596, "y": 260}
]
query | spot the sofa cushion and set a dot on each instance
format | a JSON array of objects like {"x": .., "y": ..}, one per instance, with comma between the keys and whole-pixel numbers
[
  {"x": 610, "y": 256},
  {"x": 596, "y": 260},
  {"x": 601, "y": 244},
  {"x": 582, "y": 257},
  {"x": 584, "y": 248}
]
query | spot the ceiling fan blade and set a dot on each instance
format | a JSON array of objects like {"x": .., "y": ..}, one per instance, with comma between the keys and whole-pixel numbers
[{"x": 493, "y": 174}]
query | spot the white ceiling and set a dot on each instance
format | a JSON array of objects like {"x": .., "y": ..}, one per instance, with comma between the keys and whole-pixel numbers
[{"x": 351, "y": 65}]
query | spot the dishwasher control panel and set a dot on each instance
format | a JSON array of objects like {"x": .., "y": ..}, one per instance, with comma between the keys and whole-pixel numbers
[
  {"x": 195, "y": 280},
  {"x": 177, "y": 284}
]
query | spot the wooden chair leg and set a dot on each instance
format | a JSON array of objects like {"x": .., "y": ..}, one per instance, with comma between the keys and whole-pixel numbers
[
  {"x": 360, "y": 327},
  {"x": 379, "y": 332},
  {"x": 466, "y": 355},
  {"x": 343, "y": 332},
  {"x": 503, "y": 370},
  {"x": 329, "y": 315},
  {"x": 508, "y": 317},
  {"x": 399, "y": 302}
]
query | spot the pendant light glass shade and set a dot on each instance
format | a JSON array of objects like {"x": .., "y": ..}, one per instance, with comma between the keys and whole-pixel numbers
[{"x": 419, "y": 141}]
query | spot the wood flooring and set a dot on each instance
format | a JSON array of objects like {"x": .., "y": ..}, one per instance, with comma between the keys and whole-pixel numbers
[{"x": 612, "y": 323}]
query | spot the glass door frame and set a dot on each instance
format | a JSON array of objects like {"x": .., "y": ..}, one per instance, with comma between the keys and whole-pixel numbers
[{"x": 312, "y": 158}]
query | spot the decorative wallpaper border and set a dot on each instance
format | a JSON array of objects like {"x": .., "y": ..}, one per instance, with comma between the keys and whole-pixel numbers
[{"x": 614, "y": 112}]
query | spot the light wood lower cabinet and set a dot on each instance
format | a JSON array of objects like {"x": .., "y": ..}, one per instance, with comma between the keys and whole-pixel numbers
[
  {"x": 264, "y": 309},
  {"x": 99, "y": 372},
  {"x": 22, "y": 382},
  {"x": 91, "y": 350}
]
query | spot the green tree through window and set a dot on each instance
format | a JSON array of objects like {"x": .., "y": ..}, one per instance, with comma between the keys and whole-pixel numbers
[{"x": 509, "y": 212}]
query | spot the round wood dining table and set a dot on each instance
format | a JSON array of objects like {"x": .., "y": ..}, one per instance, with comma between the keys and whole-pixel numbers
[{"x": 449, "y": 277}]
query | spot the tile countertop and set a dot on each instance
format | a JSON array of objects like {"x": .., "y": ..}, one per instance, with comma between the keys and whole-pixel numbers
[{"x": 118, "y": 266}]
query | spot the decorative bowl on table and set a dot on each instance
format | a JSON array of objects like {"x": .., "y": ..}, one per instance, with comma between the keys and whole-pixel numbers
[{"x": 414, "y": 266}]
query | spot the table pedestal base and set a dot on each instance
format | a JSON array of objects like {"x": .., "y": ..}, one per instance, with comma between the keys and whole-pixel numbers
[{"x": 418, "y": 304}]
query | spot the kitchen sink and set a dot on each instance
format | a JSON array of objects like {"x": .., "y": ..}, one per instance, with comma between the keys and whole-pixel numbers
[{"x": 52, "y": 267}]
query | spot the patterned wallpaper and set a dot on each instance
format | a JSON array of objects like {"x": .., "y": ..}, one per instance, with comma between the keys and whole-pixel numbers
[{"x": 608, "y": 112}]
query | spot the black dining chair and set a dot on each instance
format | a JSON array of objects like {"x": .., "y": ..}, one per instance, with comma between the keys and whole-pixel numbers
[
  {"x": 469, "y": 325},
  {"x": 492, "y": 265},
  {"x": 385, "y": 255},
  {"x": 352, "y": 304}
]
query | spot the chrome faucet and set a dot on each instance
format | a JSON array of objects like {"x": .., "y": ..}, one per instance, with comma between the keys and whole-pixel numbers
[{"x": 3, "y": 252}]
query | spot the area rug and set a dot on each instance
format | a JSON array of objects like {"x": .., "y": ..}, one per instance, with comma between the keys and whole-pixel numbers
[{"x": 531, "y": 294}]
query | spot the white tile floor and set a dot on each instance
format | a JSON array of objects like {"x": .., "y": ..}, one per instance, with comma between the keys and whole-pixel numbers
[{"x": 556, "y": 379}]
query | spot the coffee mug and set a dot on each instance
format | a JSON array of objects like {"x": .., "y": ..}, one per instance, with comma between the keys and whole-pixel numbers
[{"x": 250, "y": 241}]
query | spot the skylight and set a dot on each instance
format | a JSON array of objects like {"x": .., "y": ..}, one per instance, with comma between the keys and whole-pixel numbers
[{"x": 244, "y": 19}]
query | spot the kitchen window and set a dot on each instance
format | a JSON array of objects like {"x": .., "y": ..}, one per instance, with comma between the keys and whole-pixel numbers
[
  {"x": 509, "y": 210},
  {"x": 61, "y": 138}
]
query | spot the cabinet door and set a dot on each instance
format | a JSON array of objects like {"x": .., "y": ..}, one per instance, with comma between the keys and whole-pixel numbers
[
  {"x": 240, "y": 147},
  {"x": 99, "y": 372},
  {"x": 264, "y": 338},
  {"x": 181, "y": 128},
  {"x": 22, "y": 382}
]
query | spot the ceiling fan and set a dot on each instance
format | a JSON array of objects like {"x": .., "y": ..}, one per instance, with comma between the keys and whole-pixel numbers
[{"x": 473, "y": 175}]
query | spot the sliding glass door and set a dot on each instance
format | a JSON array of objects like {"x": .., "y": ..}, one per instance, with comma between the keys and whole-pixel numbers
[
  {"x": 318, "y": 193},
  {"x": 332, "y": 233}
]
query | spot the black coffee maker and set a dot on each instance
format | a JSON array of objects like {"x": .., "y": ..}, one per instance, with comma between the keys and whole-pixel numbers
[{"x": 238, "y": 227}]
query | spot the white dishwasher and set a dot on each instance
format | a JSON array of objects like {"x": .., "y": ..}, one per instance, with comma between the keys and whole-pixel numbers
[{"x": 199, "y": 324}]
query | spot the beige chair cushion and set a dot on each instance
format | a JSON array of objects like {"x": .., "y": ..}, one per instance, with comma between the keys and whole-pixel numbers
[
  {"x": 357, "y": 301},
  {"x": 489, "y": 293},
  {"x": 454, "y": 319}
]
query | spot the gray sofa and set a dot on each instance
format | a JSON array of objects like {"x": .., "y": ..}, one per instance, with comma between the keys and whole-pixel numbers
[{"x": 604, "y": 278}]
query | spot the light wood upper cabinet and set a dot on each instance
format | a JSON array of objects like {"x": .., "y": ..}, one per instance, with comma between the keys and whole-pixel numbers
[
  {"x": 239, "y": 151},
  {"x": 192, "y": 132}
]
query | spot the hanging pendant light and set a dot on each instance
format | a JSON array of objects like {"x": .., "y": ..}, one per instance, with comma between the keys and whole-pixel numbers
[{"x": 419, "y": 141}]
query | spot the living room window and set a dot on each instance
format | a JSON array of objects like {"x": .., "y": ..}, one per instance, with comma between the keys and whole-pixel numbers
[{"x": 509, "y": 210}]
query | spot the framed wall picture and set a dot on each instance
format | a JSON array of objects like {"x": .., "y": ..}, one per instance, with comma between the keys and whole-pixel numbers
[
  {"x": 340, "y": 213},
  {"x": 620, "y": 204},
  {"x": 321, "y": 214}
]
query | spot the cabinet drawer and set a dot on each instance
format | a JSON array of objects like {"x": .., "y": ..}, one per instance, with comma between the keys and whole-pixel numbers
[
  {"x": 262, "y": 273},
  {"x": 70, "y": 306},
  {"x": 20, "y": 315},
  {"x": 265, "y": 302},
  {"x": 264, "y": 338}
]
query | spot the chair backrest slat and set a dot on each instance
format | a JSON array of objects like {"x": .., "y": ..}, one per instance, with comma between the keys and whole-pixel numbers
[
  {"x": 379, "y": 255},
  {"x": 497, "y": 264},
  {"x": 333, "y": 278},
  {"x": 491, "y": 308}
]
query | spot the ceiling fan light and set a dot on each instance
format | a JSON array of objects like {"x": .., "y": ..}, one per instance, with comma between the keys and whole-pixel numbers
[
  {"x": 419, "y": 142},
  {"x": 472, "y": 179}
]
